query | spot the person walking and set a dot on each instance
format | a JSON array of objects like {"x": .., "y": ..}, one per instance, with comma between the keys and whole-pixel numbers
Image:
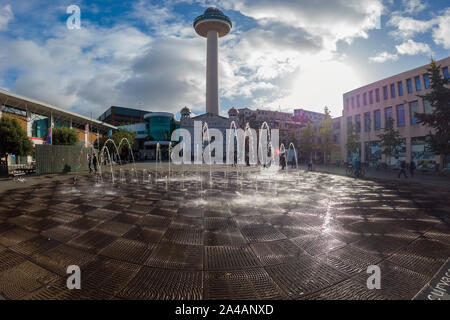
[
  {"x": 95, "y": 162},
  {"x": 283, "y": 161},
  {"x": 90, "y": 163},
  {"x": 412, "y": 167},
  {"x": 402, "y": 170}
]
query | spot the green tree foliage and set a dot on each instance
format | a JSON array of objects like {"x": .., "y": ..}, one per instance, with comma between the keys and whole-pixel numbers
[
  {"x": 13, "y": 139},
  {"x": 390, "y": 139},
  {"x": 64, "y": 136},
  {"x": 439, "y": 119},
  {"x": 352, "y": 139},
  {"x": 326, "y": 135},
  {"x": 307, "y": 140},
  {"x": 117, "y": 137}
]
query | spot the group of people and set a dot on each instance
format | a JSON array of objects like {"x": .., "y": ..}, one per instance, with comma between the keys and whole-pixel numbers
[
  {"x": 92, "y": 160},
  {"x": 404, "y": 167}
]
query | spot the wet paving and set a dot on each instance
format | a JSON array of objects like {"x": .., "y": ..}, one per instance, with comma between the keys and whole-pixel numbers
[{"x": 221, "y": 235}]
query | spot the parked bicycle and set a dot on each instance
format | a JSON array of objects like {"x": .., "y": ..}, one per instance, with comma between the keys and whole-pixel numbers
[{"x": 357, "y": 172}]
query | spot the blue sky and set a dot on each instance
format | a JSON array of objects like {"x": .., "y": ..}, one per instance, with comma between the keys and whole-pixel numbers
[{"x": 283, "y": 54}]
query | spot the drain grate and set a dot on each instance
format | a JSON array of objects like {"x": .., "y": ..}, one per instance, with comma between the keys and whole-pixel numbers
[
  {"x": 92, "y": 241},
  {"x": 59, "y": 258},
  {"x": 23, "y": 279},
  {"x": 380, "y": 246},
  {"x": 145, "y": 234},
  {"x": 104, "y": 277},
  {"x": 35, "y": 245},
  {"x": 127, "y": 218},
  {"x": 154, "y": 221},
  {"x": 128, "y": 250},
  {"x": 252, "y": 284},
  {"x": 276, "y": 252},
  {"x": 229, "y": 258},
  {"x": 176, "y": 256},
  {"x": 184, "y": 236},
  {"x": 157, "y": 284},
  {"x": 223, "y": 238},
  {"x": 304, "y": 276},
  {"x": 56, "y": 290},
  {"x": 347, "y": 290},
  {"x": 15, "y": 235},
  {"x": 261, "y": 233},
  {"x": 9, "y": 259},
  {"x": 84, "y": 223},
  {"x": 114, "y": 228},
  {"x": 317, "y": 244},
  {"x": 219, "y": 223},
  {"x": 60, "y": 233},
  {"x": 349, "y": 260}
]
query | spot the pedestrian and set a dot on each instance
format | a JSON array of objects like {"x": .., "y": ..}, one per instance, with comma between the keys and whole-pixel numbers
[
  {"x": 412, "y": 167},
  {"x": 90, "y": 163},
  {"x": 403, "y": 170},
  {"x": 283, "y": 161},
  {"x": 94, "y": 162}
]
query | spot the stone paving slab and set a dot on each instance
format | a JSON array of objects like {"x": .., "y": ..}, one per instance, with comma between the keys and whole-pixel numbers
[{"x": 252, "y": 235}]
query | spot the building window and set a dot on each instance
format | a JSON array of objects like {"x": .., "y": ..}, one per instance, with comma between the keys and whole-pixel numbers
[
  {"x": 371, "y": 97},
  {"x": 426, "y": 81},
  {"x": 358, "y": 123},
  {"x": 413, "y": 109},
  {"x": 418, "y": 84},
  {"x": 388, "y": 114},
  {"x": 392, "y": 90},
  {"x": 367, "y": 122},
  {"x": 365, "y": 98},
  {"x": 347, "y": 103},
  {"x": 39, "y": 126},
  {"x": 401, "y": 116},
  {"x": 349, "y": 122},
  {"x": 358, "y": 102},
  {"x": 409, "y": 85},
  {"x": 377, "y": 95},
  {"x": 377, "y": 119},
  {"x": 385, "y": 93},
  {"x": 428, "y": 109},
  {"x": 445, "y": 72},
  {"x": 353, "y": 102},
  {"x": 400, "y": 88}
]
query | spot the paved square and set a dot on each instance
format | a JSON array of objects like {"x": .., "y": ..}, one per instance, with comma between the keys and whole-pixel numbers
[{"x": 235, "y": 234}]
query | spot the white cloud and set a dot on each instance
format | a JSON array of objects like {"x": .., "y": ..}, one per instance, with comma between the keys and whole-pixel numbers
[
  {"x": 383, "y": 57},
  {"x": 413, "y": 6},
  {"x": 408, "y": 27},
  {"x": 412, "y": 48},
  {"x": 441, "y": 34},
  {"x": 6, "y": 15},
  {"x": 94, "y": 68},
  {"x": 350, "y": 19}
]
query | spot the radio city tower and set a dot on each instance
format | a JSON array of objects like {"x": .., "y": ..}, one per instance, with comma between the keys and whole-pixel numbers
[{"x": 212, "y": 24}]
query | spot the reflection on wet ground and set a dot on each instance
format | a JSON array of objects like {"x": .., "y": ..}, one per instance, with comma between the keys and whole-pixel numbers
[{"x": 242, "y": 235}]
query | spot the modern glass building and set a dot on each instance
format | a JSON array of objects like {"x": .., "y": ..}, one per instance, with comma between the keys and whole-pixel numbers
[{"x": 157, "y": 128}]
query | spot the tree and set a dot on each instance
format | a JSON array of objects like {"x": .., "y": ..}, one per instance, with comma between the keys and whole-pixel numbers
[
  {"x": 13, "y": 139},
  {"x": 439, "y": 119},
  {"x": 117, "y": 137},
  {"x": 352, "y": 139},
  {"x": 64, "y": 136},
  {"x": 307, "y": 140},
  {"x": 390, "y": 140},
  {"x": 326, "y": 135}
]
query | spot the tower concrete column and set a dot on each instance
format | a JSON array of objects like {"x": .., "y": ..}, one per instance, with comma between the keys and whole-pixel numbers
[
  {"x": 212, "y": 73},
  {"x": 212, "y": 25}
]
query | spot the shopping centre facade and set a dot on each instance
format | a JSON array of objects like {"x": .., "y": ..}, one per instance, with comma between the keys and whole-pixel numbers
[{"x": 396, "y": 97}]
